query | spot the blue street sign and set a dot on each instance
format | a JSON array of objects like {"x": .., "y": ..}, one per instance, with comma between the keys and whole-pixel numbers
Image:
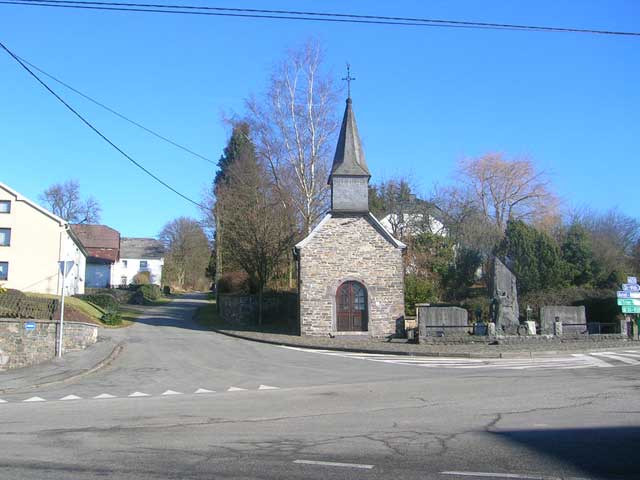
[
  {"x": 30, "y": 326},
  {"x": 627, "y": 294},
  {"x": 630, "y": 287}
]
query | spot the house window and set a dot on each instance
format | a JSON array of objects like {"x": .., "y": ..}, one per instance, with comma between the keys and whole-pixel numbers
[
  {"x": 143, "y": 264},
  {"x": 4, "y": 270},
  {"x": 5, "y": 206},
  {"x": 124, "y": 263},
  {"x": 5, "y": 237}
]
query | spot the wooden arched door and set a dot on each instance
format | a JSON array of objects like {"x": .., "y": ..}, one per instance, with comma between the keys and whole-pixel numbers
[{"x": 351, "y": 308}]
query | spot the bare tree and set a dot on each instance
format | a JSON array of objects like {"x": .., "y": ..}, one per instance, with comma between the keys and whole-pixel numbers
[
  {"x": 506, "y": 190},
  {"x": 257, "y": 225},
  {"x": 292, "y": 127},
  {"x": 64, "y": 200},
  {"x": 187, "y": 254}
]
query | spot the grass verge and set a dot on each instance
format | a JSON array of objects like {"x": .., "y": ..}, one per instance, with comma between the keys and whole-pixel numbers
[{"x": 207, "y": 316}]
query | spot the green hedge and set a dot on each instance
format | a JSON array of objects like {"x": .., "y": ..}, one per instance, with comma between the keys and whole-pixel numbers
[
  {"x": 15, "y": 304},
  {"x": 146, "y": 293},
  {"x": 600, "y": 305},
  {"x": 103, "y": 300}
]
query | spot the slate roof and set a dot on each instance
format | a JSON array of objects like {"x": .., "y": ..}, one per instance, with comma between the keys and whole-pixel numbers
[
  {"x": 144, "y": 248},
  {"x": 349, "y": 157},
  {"x": 101, "y": 242}
]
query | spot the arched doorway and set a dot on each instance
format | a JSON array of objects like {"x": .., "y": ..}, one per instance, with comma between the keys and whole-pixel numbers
[{"x": 351, "y": 308}]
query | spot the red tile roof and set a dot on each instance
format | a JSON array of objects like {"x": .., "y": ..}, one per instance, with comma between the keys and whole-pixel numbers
[{"x": 101, "y": 242}]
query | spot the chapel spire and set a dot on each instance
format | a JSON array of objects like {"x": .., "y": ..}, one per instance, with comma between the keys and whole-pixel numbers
[{"x": 349, "y": 177}]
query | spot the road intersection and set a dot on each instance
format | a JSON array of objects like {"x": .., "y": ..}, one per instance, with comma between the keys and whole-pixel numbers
[{"x": 183, "y": 402}]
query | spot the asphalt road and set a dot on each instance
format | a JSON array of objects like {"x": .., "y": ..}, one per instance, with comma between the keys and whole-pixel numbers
[{"x": 329, "y": 416}]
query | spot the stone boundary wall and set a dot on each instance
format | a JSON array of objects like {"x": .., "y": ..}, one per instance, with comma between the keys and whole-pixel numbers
[
  {"x": 242, "y": 310},
  {"x": 525, "y": 339},
  {"x": 20, "y": 347}
]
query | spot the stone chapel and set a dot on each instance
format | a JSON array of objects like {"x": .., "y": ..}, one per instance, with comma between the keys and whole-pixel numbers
[{"x": 350, "y": 270}]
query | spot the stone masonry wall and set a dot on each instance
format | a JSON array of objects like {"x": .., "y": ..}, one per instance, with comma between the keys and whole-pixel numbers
[
  {"x": 350, "y": 248},
  {"x": 20, "y": 347}
]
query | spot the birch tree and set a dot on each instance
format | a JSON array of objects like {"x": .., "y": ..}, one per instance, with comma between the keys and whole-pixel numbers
[{"x": 293, "y": 126}]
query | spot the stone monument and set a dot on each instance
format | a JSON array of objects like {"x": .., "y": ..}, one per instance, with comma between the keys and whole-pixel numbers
[{"x": 504, "y": 300}]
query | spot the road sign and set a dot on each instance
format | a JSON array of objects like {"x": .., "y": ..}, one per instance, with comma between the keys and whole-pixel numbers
[
  {"x": 627, "y": 294},
  {"x": 629, "y": 301},
  {"x": 29, "y": 326},
  {"x": 630, "y": 309},
  {"x": 66, "y": 266},
  {"x": 630, "y": 287},
  {"x": 632, "y": 280}
]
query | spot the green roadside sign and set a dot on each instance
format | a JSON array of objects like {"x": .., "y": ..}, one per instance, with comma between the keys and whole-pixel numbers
[
  {"x": 628, "y": 301},
  {"x": 630, "y": 309}
]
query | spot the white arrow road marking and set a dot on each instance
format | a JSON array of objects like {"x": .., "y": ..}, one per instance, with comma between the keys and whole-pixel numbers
[
  {"x": 204, "y": 390},
  {"x": 34, "y": 399},
  {"x": 335, "y": 464},
  {"x": 236, "y": 389},
  {"x": 104, "y": 395},
  {"x": 139, "y": 394},
  {"x": 172, "y": 392},
  {"x": 267, "y": 387},
  {"x": 71, "y": 397},
  {"x": 620, "y": 358}
]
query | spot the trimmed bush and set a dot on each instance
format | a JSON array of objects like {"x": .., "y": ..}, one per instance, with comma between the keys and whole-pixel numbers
[
  {"x": 103, "y": 300},
  {"x": 146, "y": 293},
  {"x": 112, "y": 317}
]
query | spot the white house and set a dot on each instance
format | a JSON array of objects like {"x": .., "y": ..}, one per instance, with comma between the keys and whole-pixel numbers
[
  {"x": 139, "y": 255},
  {"x": 410, "y": 224},
  {"x": 33, "y": 242}
]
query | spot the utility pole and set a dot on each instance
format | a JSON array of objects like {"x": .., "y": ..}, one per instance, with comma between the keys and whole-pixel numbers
[{"x": 64, "y": 277}]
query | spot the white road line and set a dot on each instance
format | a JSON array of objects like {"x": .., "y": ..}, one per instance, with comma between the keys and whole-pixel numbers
[
  {"x": 204, "y": 390},
  {"x": 630, "y": 354},
  {"x": 236, "y": 389},
  {"x": 71, "y": 397},
  {"x": 139, "y": 394},
  {"x": 499, "y": 475},
  {"x": 619, "y": 358},
  {"x": 596, "y": 362},
  {"x": 104, "y": 395},
  {"x": 172, "y": 392},
  {"x": 3, "y": 401},
  {"x": 335, "y": 464},
  {"x": 34, "y": 399},
  {"x": 267, "y": 387}
]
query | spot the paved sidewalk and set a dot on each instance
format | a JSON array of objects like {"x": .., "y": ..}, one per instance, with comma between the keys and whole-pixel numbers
[
  {"x": 465, "y": 350},
  {"x": 66, "y": 369}
]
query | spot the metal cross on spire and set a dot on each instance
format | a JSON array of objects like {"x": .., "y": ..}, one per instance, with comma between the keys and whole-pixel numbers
[{"x": 348, "y": 79}]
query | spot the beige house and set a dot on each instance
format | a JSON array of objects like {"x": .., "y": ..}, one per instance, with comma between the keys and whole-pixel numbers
[{"x": 33, "y": 242}]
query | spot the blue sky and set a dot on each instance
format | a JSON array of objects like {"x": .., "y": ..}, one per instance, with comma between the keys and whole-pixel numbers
[{"x": 424, "y": 97}]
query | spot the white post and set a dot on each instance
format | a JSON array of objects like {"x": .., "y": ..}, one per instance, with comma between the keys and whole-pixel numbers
[{"x": 64, "y": 277}]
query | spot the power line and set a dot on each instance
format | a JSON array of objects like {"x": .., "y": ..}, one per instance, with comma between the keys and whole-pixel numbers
[
  {"x": 111, "y": 110},
  {"x": 302, "y": 15},
  {"x": 100, "y": 134}
]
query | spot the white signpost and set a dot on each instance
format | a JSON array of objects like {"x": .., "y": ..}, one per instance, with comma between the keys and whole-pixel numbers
[
  {"x": 629, "y": 298},
  {"x": 65, "y": 267}
]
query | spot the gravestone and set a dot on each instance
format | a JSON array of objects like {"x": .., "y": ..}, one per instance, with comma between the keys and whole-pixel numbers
[
  {"x": 504, "y": 303},
  {"x": 442, "y": 321},
  {"x": 573, "y": 319}
]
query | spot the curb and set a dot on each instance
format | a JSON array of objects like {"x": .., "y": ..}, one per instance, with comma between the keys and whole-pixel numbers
[
  {"x": 117, "y": 350},
  {"x": 506, "y": 355}
]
